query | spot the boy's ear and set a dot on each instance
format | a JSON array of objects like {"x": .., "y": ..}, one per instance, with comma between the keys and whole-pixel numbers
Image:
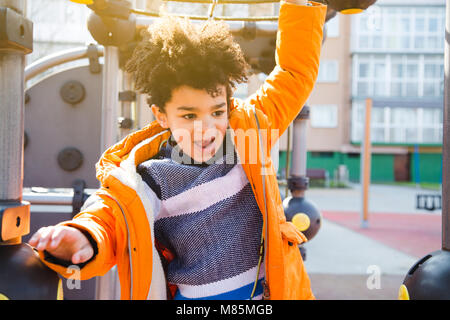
[{"x": 159, "y": 116}]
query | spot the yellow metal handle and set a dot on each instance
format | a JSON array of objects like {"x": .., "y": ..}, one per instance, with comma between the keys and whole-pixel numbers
[
  {"x": 83, "y": 1},
  {"x": 352, "y": 11}
]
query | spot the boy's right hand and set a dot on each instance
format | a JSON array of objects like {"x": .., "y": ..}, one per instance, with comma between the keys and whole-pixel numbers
[{"x": 66, "y": 243}]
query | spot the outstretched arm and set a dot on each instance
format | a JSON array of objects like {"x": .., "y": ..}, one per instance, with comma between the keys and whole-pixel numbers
[
  {"x": 299, "y": 41},
  {"x": 87, "y": 241}
]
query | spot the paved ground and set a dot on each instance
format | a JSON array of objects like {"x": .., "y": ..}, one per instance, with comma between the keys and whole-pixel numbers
[
  {"x": 347, "y": 262},
  {"x": 382, "y": 198}
]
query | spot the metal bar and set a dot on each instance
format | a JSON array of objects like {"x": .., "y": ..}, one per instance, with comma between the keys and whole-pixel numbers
[
  {"x": 250, "y": 2},
  {"x": 211, "y": 9},
  {"x": 12, "y": 66},
  {"x": 52, "y": 196},
  {"x": 446, "y": 138},
  {"x": 194, "y": 17},
  {"x": 56, "y": 59},
  {"x": 49, "y": 199},
  {"x": 263, "y": 28}
]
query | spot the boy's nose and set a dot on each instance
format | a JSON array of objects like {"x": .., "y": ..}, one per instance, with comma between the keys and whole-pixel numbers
[
  {"x": 204, "y": 131},
  {"x": 204, "y": 125}
]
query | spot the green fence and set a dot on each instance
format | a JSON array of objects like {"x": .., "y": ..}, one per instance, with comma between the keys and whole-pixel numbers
[{"x": 383, "y": 169}]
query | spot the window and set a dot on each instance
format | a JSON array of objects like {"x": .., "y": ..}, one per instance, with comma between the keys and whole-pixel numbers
[
  {"x": 433, "y": 77},
  {"x": 431, "y": 125},
  {"x": 403, "y": 125},
  {"x": 395, "y": 75},
  {"x": 398, "y": 124},
  {"x": 328, "y": 71},
  {"x": 324, "y": 116},
  {"x": 396, "y": 29},
  {"x": 333, "y": 27}
]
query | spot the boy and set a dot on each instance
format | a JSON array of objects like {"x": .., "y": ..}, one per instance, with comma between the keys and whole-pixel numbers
[{"x": 173, "y": 193}]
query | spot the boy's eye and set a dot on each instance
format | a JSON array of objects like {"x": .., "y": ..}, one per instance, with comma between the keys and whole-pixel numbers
[
  {"x": 219, "y": 113},
  {"x": 191, "y": 116}
]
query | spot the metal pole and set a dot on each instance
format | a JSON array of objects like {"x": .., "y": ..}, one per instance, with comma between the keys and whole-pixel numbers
[
  {"x": 299, "y": 148},
  {"x": 141, "y": 101},
  {"x": 12, "y": 65},
  {"x": 107, "y": 286},
  {"x": 110, "y": 101},
  {"x": 446, "y": 138},
  {"x": 126, "y": 114},
  {"x": 365, "y": 166},
  {"x": 299, "y": 151}
]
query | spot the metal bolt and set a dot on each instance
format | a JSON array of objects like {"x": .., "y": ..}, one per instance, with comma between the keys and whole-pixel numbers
[{"x": 72, "y": 92}]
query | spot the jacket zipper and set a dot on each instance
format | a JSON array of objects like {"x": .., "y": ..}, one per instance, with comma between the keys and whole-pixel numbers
[{"x": 129, "y": 244}]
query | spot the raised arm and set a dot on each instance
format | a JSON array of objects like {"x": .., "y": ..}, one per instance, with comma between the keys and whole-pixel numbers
[{"x": 298, "y": 46}]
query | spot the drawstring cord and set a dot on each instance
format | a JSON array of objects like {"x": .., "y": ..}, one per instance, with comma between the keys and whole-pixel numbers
[
  {"x": 261, "y": 255},
  {"x": 264, "y": 233}
]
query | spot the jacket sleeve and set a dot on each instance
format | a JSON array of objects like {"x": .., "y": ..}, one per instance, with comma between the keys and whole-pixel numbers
[
  {"x": 100, "y": 223},
  {"x": 298, "y": 46}
]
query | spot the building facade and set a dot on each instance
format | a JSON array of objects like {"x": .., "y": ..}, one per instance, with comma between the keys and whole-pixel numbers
[{"x": 393, "y": 53}]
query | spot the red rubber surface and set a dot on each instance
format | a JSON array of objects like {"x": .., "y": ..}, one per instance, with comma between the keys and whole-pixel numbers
[{"x": 414, "y": 234}]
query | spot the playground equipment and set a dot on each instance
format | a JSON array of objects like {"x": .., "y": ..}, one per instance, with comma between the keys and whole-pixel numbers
[
  {"x": 22, "y": 274},
  {"x": 113, "y": 24},
  {"x": 300, "y": 211},
  {"x": 429, "y": 278}
]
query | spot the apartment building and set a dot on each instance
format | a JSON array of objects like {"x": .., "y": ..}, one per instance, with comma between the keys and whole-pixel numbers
[{"x": 393, "y": 54}]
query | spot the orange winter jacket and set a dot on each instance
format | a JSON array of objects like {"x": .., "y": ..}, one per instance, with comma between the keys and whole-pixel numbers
[{"x": 121, "y": 221}]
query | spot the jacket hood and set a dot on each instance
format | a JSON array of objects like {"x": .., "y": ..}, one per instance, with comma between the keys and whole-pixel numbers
[{"x": 132, "y": 150}]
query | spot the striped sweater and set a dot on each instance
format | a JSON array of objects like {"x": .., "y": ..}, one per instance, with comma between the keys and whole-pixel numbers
[{"x": 208, "y": 217}]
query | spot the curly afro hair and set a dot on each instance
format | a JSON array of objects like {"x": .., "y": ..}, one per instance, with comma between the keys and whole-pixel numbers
[{"x": 175, "y": 52}]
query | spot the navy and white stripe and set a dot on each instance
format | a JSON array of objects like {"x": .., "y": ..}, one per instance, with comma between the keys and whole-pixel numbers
[{"x": 208, "y": 216}]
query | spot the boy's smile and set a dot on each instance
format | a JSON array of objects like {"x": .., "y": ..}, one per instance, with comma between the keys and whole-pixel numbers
[{"x": 197, "y": 120}]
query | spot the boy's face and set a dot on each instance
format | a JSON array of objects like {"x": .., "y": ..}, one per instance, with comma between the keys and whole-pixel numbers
[{"x": 197, "y": 120}]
